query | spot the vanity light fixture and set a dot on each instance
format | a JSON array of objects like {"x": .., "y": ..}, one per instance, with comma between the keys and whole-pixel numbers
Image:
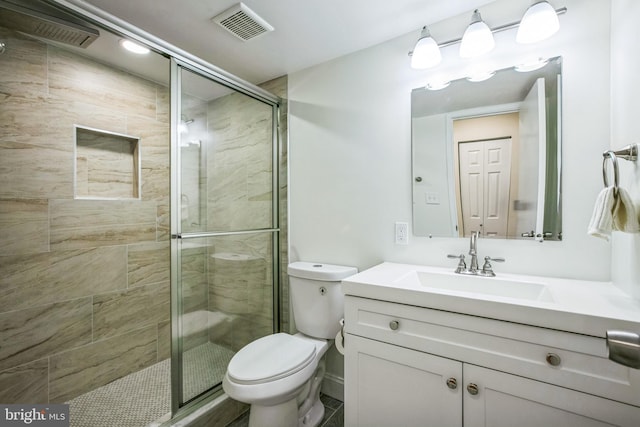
[
  {"x": 539, "y": 22},
  {"x": 477, "y": 39},
  {"x": 426, "y": 53},
  {"x": 134, "y": 47}
]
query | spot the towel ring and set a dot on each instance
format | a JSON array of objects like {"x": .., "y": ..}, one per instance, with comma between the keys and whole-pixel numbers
[{"x": 614, "y": 159}]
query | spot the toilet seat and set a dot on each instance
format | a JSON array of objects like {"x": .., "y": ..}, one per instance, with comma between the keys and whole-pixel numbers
[{"x": 271, "y": 358}]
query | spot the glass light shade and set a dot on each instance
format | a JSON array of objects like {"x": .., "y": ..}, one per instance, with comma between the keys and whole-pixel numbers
[
  {"x": 426, "y": 53},
  {"x": 539, "y": 22},
  {"x": 477, "y": 39}
]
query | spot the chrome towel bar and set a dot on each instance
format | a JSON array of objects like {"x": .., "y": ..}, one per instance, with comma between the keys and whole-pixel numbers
[{"x": 630, "y": 152}]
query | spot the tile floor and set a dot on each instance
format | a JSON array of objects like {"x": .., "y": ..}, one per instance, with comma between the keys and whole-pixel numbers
[{"x": 333, "y": 414}]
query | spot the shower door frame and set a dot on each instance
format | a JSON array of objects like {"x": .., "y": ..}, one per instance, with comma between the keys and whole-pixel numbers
[{"x": 178, "y": 236}]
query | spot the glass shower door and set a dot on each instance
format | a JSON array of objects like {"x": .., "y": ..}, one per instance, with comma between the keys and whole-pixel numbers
[{"x": 224, "y": 228}]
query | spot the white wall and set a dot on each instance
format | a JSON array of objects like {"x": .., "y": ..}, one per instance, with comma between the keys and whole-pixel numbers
[
  {"x": 350, "y": 149},
  {"x": 625, "y": 123}
]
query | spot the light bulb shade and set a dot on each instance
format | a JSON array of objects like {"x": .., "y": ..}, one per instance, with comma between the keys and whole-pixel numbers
[
  {"x": 426, "y": 53},
  {"x": 539, "y": 22},
  {"x": 477, "y": 39}
]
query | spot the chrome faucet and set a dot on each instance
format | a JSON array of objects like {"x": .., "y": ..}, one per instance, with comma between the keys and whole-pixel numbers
[
  {"x": 473, "y": 265},
  {"x": 473, "y": 252}
]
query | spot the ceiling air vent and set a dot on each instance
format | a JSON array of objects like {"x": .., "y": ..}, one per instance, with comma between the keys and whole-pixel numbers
[{"x": 242, "y": 22}]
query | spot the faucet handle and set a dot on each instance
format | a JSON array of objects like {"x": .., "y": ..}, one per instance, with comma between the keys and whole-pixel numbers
[
  {"x": 487, "y": 270},
  {"x": 462, "y": 266}
]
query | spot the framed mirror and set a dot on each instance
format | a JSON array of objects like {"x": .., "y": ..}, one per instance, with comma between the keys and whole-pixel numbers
[{"x": 486, "y": 155}]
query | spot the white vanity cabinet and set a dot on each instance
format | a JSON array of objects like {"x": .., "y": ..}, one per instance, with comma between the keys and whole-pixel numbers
[{"x": 412, "y": 366}]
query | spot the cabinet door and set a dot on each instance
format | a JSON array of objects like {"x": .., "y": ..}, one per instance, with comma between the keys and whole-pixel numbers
[
  {"x": 387, "y": 385},
  {"x": 505, "y": 400}
]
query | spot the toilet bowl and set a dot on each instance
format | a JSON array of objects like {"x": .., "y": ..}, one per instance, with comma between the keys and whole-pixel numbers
[{"x": 280, "y": 375}]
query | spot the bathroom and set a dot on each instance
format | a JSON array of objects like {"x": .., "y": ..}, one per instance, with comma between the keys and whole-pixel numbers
[{"x": 349, "y": 146}]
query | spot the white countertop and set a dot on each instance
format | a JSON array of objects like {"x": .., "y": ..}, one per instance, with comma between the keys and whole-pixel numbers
[{"x": 579, "y": 306}]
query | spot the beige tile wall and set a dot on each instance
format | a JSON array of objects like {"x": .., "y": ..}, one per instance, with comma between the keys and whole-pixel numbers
[
  {"x": 84, "y": 284},
  {"x": 238, "y": 198}
]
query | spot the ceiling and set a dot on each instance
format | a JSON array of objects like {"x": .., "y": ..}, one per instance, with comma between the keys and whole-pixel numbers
[{"x": 307, "y": 32}]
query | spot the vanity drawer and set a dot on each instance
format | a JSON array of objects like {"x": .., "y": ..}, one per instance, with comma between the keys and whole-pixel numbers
[{"x": 566, "y": 359}]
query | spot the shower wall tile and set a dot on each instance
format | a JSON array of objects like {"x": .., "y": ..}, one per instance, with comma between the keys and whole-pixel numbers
[
  {"x": 83, "y": 369},
  {"x": 33, "y": 333},
  {"x": 163, "y": 218},
  {"x": 119, "y": 312},
  {"x": 35, "y": 172},
  {"x": 194, "y": 290},
  {"x": 23, "y": 69},
  {"x": 85, "y": 237},
  {"x": 34, "y": 280},
  {"x": 24, "y": 226},
  {"x": 279, "y": 87},
  {"x": 77, "y": 224},
  {"x": 148, "y": 263},
  {"x": 154, "y": 157},
  {"x": 163, "y": 104},
  {"x": 74, "y": 77},
  {"x": 164, "y": 340},
  {"x": 99, "y": 246},
  {"x": 26, "y": 383}
]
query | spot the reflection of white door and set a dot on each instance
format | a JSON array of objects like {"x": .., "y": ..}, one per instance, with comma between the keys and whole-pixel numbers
[
  {"x": 485, "y": 177},
  {"x": 529, "y": 207}
]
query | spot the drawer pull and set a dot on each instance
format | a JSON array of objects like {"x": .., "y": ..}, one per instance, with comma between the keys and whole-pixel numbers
[
  {"x": 472, "y": 389},
  {"x": 553, "y": 359},
  {"x": 452, "y": 383},
  {"x": 394, "y": 325}
]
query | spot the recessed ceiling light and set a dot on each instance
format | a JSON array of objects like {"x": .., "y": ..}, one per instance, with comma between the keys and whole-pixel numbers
[{"x": 133, "y": 47}]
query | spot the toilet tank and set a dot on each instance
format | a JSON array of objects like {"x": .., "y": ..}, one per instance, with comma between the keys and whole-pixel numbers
[{"x": 317, "y": 298}]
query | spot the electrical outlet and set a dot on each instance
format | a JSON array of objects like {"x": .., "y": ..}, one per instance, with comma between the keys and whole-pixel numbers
[
  {"x": 402, "y": 233},
  {"x": 432, "y": 198}
]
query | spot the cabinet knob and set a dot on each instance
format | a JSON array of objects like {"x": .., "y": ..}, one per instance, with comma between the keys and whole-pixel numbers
[
  {"x": 394, "y": 325},
  {"x": 452, "y": 383},
  {"x": 553, "y": 359},
  {"x": 472, "y": 388}
]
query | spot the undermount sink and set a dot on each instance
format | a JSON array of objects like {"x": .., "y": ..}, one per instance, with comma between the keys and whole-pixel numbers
[{"x": 476, "y": 285}]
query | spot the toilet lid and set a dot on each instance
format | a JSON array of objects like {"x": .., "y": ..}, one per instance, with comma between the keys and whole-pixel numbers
[{"x": 270, "y": 358}]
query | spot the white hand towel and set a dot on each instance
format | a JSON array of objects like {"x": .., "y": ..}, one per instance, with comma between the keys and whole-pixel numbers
[
  {"x": 601, "y": 222},
  {"x": 625, "y": 216}
]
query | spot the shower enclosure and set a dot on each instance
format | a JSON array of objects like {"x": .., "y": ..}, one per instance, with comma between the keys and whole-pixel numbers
[
  {"x": 139, "y": 220},
  {"x": 224, "y": 226}
]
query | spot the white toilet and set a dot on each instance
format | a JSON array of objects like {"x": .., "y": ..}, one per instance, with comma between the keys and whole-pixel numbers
[{"x": 280, "y": 375}]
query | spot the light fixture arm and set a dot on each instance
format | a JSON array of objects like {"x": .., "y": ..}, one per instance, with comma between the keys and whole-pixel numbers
[{"x": 494, "y": 30}]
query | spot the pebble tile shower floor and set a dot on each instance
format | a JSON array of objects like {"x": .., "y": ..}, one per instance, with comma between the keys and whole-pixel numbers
[{"x": 144, "y": 396}]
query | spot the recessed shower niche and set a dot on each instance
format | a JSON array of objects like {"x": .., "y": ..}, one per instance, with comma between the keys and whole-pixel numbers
[{"x": 107, "y": 165}]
